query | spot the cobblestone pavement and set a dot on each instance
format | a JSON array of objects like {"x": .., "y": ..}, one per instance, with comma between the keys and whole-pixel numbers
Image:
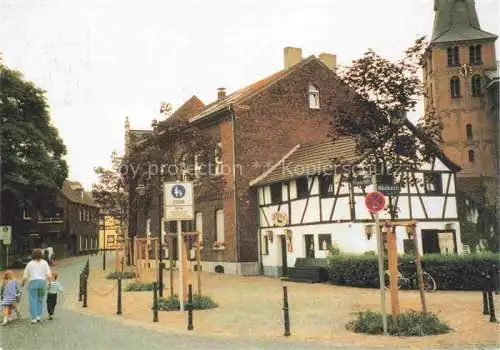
[{"x": 73, "y": 330}]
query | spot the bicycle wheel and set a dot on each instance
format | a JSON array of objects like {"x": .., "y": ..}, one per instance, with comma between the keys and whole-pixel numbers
[{"x": 429, "y": 282}]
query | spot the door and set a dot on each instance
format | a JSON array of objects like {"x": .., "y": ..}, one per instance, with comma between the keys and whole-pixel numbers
[
  {"x": 309, "y": 242},
  {"x": 73, "y": 244},
  {"x": 430, "y": 242},
  {"x": 284, "y": 262}
]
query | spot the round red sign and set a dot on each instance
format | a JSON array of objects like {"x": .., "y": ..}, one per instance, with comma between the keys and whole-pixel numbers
[{"x": 375, "y": 201}]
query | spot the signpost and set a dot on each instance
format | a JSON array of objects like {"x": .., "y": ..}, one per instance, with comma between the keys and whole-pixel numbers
[
  {"x": 390, "y": 190},
  {"x": 375, "y": 202},
  {"x": 179, "y": 206},
  {"x": 6, "y": 237}
]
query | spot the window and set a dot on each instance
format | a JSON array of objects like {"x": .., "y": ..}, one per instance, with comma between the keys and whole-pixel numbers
[
  {"x": 471, "y": 156},
  {"x": 453, "y": 56},
  {"x": 455, "y": 87},
  {"x": 476, "y": 85},
  {"x": 187, "y": 226},
  {"x": 468, "y": 131},
  {"x": 475, "y": 54},
  {"x": 219, "y": 225},
  {"x": 218, "y": 159},
  {"x": 433, "y": 183},
  {"x": 302, "y": 187},
  {"x": 325, "y": 242},
  {"x": 313, "y": 97},
  {"x": 81, "y": 214},
  {"x": 26, "y": 214},
  {"x": 198, "y": 224},
  {"x": 326, "y": 185},
  {"x": 265, "y": 244},
  {"x": 276, "y": 196}
]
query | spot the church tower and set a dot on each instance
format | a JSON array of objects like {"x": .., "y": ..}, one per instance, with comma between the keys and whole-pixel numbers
[{"x": 461, "y": 86}]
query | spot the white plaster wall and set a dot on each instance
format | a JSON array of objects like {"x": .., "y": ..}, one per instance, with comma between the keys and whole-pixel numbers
[{"x": 312, "y": 210}]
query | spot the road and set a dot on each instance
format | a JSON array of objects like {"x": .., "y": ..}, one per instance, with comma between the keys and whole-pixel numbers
[{"x": 72, "y": 330}]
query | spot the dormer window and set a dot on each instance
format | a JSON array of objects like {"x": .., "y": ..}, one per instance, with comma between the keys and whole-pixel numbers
[
  {"x": 475, "y": 54},
  {"x": 313, "y": 97},
  {"x": 453, "y": 56}
]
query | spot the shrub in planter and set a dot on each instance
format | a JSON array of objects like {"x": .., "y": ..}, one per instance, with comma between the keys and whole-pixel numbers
[
  {"x": 139, "y": 287},
  {"x": 410, "y": 323},
  {"x": 124, "y": 275},
  {"x": 173, "y": 304}
]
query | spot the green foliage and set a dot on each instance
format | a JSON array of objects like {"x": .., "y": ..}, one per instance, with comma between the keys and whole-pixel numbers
[
  {"x": 32, "y": 164},
  {"x": 410, "y": 323},
  {"x": 334, "y": 250},
  {"x": 139, "y": 287},
  {"x": 173, "y": 304},
  {"x": 451, "y": 272},
  {"x": 124, "y": 275}
]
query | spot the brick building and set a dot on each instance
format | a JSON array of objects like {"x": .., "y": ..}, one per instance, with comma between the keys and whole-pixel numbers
[
  {"x": 70, "y": 224},
  {"x": 253, "y": 128},
  {"x": 461, "y": 85}
]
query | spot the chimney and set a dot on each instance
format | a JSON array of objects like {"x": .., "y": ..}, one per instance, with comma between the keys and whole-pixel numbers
[
  {"x": 329, "y": 60},
  {"x": 292, "y": 56},
  {"x": 221, "y": 93}
]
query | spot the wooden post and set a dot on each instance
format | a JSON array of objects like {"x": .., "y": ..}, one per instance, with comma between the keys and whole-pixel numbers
[
  {"x": 419, "y": 270},
  {"x": 393, "y": 269},
  {"x": 198, "y": 263},
  {"x": 185, "y": 271},
  {"x": 170, "y": 255}
]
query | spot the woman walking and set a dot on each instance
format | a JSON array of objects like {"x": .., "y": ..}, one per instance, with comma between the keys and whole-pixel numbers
[{"x": 37, "y": 273}]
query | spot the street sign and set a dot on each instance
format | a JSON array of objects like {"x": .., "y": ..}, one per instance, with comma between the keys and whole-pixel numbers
[
  {"x": 178, "y": 201},
  {"x": 6, "y": 234},
  {"x": 375, "y": 201},
  {"x": 390, "y": 190},
  {"x": 364, "y": 181}
]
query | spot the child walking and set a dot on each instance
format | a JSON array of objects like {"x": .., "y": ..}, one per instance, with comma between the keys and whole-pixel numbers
[
  {"x": 9, "y": 292},
  {"x": 54, "y": 288}
]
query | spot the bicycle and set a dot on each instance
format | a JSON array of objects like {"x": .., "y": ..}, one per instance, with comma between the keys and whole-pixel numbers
[{"x": 412, "y": 281}]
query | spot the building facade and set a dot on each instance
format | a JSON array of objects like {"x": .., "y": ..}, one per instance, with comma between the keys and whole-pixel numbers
[
  {"x": 307, "y": 205},
  {"x": 70, "y": 225},
  {"x": 461, "y": 86}
]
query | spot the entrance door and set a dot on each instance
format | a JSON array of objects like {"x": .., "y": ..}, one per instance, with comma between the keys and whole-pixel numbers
[
  {"x": 309, "y": 242},
  {"x": 284, "y": 262},
  {"x": 430, "y": 242}
]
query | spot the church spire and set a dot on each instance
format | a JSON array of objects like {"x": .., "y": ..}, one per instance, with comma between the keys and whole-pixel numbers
[{"x": 456, "y": 20}]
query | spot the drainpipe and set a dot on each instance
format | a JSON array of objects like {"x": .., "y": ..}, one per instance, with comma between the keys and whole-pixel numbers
[
  {"x": 259, "y": 238},
  {"x": 236, "y": 228}
]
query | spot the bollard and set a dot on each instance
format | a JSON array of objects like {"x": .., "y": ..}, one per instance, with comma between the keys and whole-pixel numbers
[
  {"x": 491, "y": 304},
  {"x": 486, "y": 310},
  {"x": 119, "y": 301},
  {"x": 85, "y": 290},
  {"x": 285, "y": 311},
  {"x": 155, "y": 302},
  {"x": 80, "y": 288},
  {"x": 122, "y": 262},
  {"x": 190, "y": 307},
  {"x": 160, "y": 279},
  {"x": 104, "y": 260}
]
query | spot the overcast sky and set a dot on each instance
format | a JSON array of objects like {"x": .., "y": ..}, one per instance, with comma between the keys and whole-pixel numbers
[{"x": 102, "y": 60}]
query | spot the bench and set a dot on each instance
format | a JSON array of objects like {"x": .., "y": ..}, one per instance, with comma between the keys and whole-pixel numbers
[{"x": 308, "y": 270}]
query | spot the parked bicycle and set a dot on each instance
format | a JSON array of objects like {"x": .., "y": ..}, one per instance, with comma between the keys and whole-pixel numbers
[{"x": 412, "y": 281}]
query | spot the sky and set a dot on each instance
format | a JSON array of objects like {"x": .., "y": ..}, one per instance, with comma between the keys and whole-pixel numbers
[{"x": 103, "y": 60}]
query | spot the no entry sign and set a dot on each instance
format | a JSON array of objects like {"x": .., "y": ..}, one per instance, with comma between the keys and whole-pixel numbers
[{"x": 375, "y": 201}]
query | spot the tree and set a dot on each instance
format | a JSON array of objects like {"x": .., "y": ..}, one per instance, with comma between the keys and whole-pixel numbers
[
  {"x": 110, "y": 192},
  {"x": 32, "y": 164},
  {"x": 382, "y": 92}
]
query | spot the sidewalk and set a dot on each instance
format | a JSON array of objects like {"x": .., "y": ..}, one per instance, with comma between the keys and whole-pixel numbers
[{"x": 252, "y": 307}]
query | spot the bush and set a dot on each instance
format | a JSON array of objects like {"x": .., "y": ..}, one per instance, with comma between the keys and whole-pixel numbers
[
  {"x": 410, "y": 323},
  {"x": 451, "y": 272},
  {"x": 139, "y": 287},
  {"x": 124, "y": 275},
  {"x": 199, "y": 303}
]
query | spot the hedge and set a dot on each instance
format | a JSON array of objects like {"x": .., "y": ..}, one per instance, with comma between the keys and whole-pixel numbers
[{"x": 451, "y": 272}]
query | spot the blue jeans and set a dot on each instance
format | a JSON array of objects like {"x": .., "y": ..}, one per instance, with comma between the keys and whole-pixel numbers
[{"x": 36, "y": 290}]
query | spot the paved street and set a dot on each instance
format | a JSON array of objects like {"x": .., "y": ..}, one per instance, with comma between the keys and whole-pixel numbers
[{"x": 72, "y": 330}]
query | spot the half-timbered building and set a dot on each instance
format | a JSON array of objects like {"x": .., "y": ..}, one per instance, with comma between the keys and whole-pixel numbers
[{"x": 307, "y": 204}]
